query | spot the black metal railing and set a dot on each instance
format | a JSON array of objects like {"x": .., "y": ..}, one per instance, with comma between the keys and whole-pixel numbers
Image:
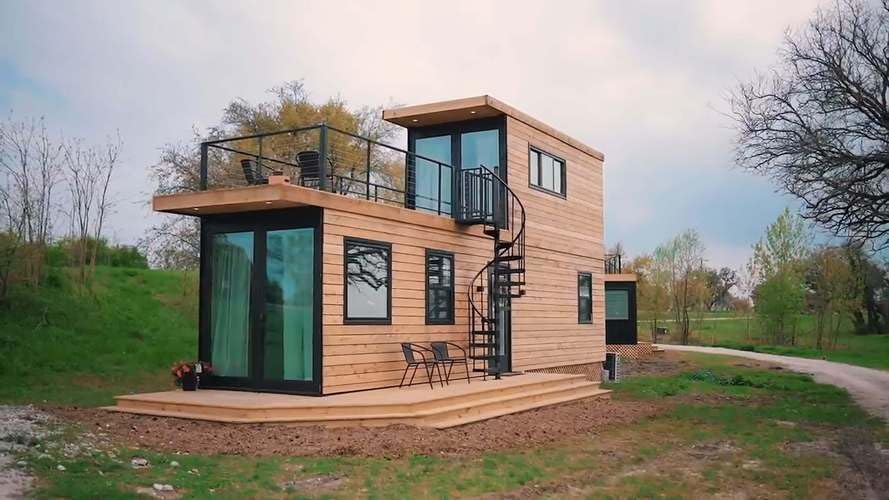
[
  {"x": 612, "y": 264},
  {"x": 329, "y": 159},
  {"x": 486, "y": 199}
]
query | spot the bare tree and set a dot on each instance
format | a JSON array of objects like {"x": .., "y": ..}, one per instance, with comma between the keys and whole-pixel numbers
[
  {"x": 29, "y": 161},
  {"x": 818, "y": 123},
  {"x": 88, "y": 173}
]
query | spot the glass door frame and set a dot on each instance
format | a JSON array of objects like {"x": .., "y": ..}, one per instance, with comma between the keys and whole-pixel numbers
[
  {"x": 454, "y": 130},
  {"x": 259, "y": 223}
]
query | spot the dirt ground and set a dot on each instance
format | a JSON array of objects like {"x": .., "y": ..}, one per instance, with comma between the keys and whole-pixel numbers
[{"x": 536, "y": 427}]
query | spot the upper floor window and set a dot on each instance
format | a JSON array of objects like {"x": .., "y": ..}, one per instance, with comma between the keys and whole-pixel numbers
[
  {"x": 617, "y": 304},
  {"x": 439, "y": 287},
  {"x": 546, "y": 171},
  {"x": 368, "y": 279}
]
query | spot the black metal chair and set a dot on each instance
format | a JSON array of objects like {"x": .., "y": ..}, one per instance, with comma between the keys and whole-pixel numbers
[
  {"x": 309, "y": 163},
  {"x": 443, "y": 357},
  {"x": 415, "y": 357},
  {"x": 251, "y": 172}
]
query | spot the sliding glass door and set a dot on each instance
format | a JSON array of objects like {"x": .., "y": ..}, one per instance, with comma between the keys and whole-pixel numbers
[{"x": 260, "y": 325}]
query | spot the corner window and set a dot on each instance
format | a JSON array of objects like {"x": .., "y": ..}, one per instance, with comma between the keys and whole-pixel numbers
[
  {"x": 584, "y": 298},
  {"x": 546, "y": 172},
  {"x": 439, "y": 288},
  {"x": 617, "y": 304},
  {"x": 368, "y": 277}
]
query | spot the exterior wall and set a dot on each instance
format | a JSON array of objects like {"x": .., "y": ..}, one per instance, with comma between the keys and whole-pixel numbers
[
  {"x": 564, "y": 237},
  {"x": 369, "y": 356}
]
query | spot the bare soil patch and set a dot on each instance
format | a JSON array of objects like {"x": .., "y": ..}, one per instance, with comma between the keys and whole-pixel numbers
[{"x": 531, "y": 428}]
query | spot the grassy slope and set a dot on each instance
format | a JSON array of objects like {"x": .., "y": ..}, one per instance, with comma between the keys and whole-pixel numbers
[
  {"x": 864, "y": 350},
  {"x": 65, "y": 346},
  {"x": 766, "y": 420}
]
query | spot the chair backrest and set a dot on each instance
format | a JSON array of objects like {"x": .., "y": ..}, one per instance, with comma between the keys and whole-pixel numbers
[
  {"x": 439, "y": 350},
  {"x": 408, "y": 352},
  {"x": 249, "y": 171},
  {"x": 309, "y": 162}
]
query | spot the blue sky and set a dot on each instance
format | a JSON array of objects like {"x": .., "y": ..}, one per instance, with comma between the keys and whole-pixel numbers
[{"x": 642, "y": 81}]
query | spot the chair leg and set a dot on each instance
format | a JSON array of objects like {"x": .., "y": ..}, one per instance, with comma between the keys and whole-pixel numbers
[
  {"x": 413, "y": 375},
  {"x": 448, "y": 372},
  {"x": 406, "y": 368},
  {"x": 429, "y": 370},
  {"x": 466, "y": 365},
  {"x": 438, "y": 367}
]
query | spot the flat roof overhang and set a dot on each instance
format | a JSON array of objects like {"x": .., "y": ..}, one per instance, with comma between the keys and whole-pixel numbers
[
  {"x": 622, "y": 277},
  {"x": 472, "y": 108},
  {"x": 278, "y": 196}
]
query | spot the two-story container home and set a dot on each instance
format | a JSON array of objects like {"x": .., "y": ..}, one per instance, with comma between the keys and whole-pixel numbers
[{"x": 323, "y": 251}]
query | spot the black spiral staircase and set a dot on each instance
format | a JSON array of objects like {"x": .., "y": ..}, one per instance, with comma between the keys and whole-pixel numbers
[{"x": 486, "y": 199}]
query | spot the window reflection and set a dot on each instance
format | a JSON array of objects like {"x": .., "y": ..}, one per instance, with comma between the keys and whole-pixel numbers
[{"x": 367, "y": 281}]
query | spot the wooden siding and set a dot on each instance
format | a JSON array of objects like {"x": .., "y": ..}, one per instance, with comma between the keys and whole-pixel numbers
[
  {"x": 369, "y": 356},
  {"x": 564, "y": 237}
]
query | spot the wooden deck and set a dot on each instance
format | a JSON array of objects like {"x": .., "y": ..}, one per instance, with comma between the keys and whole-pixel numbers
[{"x": 456, "y": 404}]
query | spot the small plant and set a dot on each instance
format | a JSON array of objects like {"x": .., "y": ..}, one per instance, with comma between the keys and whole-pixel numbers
[{"x": 187, "y": 374}]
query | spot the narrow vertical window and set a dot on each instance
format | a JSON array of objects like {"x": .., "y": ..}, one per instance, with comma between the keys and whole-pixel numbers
[
  {"x": 368, "y": 276},
  {"x": 584, "y": 298},
  {"x": 439, "y": 287}
]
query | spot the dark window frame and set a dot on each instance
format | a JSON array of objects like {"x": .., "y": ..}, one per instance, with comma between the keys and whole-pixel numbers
[
  {"x": 452, "y": 315},
  {"x": 564, "y": 174},
  {"x": 580, "y": 319},
  {"x": 371, "y": 243}
]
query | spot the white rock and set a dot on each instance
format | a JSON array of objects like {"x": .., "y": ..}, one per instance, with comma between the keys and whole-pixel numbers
[
  {"x": 174, "y": 464},
  {"x": 163, "y": 487},
  {"x": 60, "y": 467},
  {"x": 139, "y": 462}
]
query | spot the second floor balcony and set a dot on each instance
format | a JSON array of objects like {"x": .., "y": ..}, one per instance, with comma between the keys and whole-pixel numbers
[{"x": 327, "y": 159}]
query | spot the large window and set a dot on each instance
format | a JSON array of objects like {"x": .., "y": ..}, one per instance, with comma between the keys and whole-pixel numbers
[
  {"x": 432, "y": 188},
  {"x": 368, "y": 280},
  {"x": 546, "y": 171},
  {"x": 584, "y": 298},
  {"x": 617, "y": 304},
  {"x": 439, "y": 287}
]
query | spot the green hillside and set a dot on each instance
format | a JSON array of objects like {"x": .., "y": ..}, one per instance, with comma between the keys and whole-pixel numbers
[{"x": 62, "y": 345}]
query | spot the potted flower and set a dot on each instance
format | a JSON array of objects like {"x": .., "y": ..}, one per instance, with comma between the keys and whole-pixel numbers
[{"x": 187, "y": 374}]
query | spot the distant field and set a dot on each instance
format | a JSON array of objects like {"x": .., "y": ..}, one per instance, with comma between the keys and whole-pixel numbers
[
  {"x": 726, "y": 329},
  {"x": 60, "y": 345}
]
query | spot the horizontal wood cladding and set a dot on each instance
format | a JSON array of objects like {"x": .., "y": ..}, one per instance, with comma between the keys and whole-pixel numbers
[
  {"x": 359, "y": 357},
  {"x": 564, "y": 237}
]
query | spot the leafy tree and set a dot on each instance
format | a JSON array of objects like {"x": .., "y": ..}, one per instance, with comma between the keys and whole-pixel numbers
[
  {"x": 175, "y": 242},
  {"x": 869, "y": 312},
  {"x": 818, "y": 123},
  {"x": 681, "y": 260},
  {"x": 652, "y": 288},
  {"x": 778, "y": 262},
  {"x": 833, "y": 290},
  {"x": 719, "y": 284}
]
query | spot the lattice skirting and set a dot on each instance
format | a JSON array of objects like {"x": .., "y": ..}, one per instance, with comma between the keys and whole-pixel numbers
[
  {"x": 593, "y": 371},
  {"x": 632, "y": 351}
]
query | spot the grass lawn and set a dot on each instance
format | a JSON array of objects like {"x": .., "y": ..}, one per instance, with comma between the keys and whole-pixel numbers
[
  {"x": 727, "y": 330},
  {"x": 68, "y": 346},
  {"x": 725, "y": 427}
]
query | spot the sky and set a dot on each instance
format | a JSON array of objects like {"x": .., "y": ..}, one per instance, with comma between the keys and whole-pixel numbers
[{"x": 642, "y": 81}]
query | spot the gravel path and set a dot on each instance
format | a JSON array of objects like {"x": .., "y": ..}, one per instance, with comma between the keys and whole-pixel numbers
[{"x": 869, "y": 387}]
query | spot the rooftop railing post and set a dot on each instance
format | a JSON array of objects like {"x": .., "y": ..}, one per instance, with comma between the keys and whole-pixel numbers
[
  {"x": 367, "y": 173},
  {"x": 259, "y": 159},
  {"x": 322, "y": 158},
  {"x": 439, "y": 187},
  {"x": 203, "y": 174}
]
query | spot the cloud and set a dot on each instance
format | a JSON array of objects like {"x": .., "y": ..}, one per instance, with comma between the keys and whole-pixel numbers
[{"x": 641, "y": 81}]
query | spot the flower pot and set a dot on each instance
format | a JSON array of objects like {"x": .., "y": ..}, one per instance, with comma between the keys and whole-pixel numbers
[{"x": 190, "y": 382}]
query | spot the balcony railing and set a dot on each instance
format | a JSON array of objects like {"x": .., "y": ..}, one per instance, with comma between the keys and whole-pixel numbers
[
  {"x": 612, "y": 264},
  {"x": 329, "y": 159}
]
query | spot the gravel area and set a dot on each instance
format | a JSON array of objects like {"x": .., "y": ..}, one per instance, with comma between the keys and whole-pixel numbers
[
  {"x": 536, "y": 427},
  {"x": 21, "y": 427}
]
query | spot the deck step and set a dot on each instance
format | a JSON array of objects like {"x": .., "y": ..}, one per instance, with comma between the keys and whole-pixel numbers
[{"x": 443, "y": 408}]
